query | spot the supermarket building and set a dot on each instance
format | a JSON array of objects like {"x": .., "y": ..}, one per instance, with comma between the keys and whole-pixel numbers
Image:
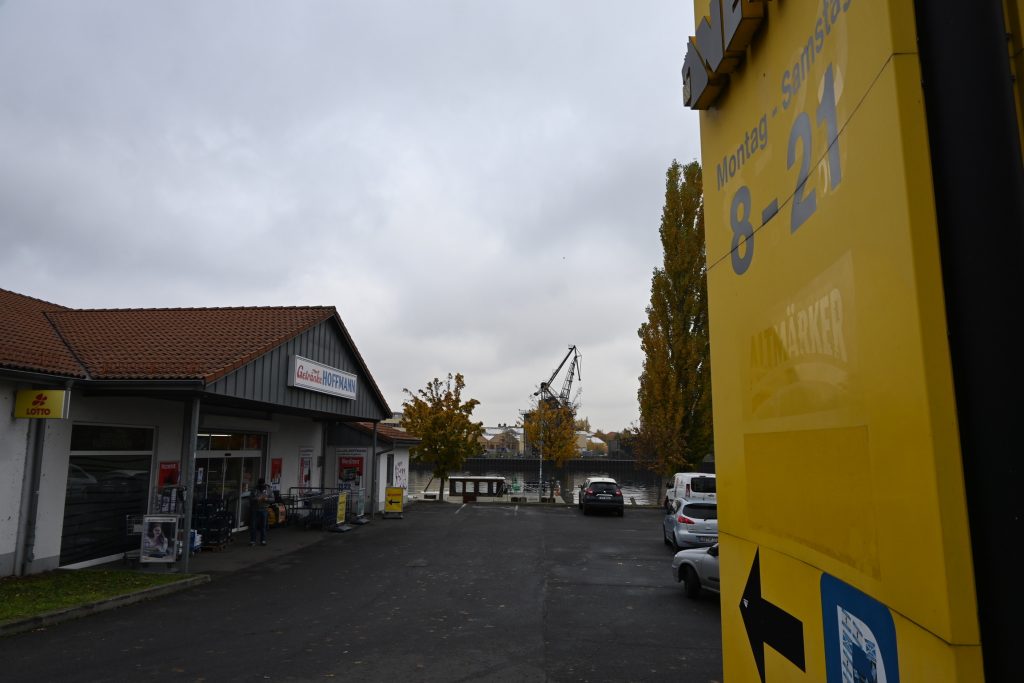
[{"x": 103, "y": 412}]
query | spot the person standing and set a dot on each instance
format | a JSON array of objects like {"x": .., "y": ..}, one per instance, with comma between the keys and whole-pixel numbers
[{"x": 259, "y": 504}]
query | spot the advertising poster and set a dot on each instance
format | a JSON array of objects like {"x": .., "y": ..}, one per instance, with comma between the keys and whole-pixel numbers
[
  {"x": 168, "y": 474},
  {"x": 275, "y": 473},
  {"x": 306, "y": 467},
  {"x": 350, "y": 468},
  {"x": 159, "y": 534}
]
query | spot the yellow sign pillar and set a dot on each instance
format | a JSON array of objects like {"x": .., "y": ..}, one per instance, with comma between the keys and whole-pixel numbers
[
  {"x": 844, "y": 539},
  {"x": 341, "y": 516}
]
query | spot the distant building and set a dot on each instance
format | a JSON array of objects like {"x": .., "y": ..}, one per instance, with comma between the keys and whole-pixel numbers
[
  {"x": 502, "y": 441},
  {"x": 617, "y": 450},
  {"x": 395, "y": 421}
]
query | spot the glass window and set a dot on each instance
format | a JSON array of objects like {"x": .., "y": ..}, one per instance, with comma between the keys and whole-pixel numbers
[
  {"x": 104, "y": 438},
  {"x": 103, "y": 490},
  {"x": 227, "y": 442},
  {"x": 703, "y": 485},
  {"x": 701, "y": 510}
]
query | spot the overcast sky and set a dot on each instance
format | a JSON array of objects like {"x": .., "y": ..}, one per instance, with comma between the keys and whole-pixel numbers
[{"x": 475, "y": 185}]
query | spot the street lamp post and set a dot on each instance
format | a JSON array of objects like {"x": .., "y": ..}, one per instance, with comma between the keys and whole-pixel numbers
[{"x": 540, "y": 475}]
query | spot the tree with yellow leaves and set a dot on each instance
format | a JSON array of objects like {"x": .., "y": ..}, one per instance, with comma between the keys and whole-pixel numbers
[
  {"x": 443, "y": 423},
  {"x": 550, "y": 430}
]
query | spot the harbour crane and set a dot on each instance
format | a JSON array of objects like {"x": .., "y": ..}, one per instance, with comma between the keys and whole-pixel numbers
[{"x": 562, "y": 398}]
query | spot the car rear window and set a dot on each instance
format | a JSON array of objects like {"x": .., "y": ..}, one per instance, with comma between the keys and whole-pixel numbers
[
  {"x": 701, "y": 510},
  {"x": 703, "y": 485},
  {"x": 603, "y": 487}
]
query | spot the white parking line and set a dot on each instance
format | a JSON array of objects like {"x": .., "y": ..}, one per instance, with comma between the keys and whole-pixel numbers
[{"x": 460, "y": 508}]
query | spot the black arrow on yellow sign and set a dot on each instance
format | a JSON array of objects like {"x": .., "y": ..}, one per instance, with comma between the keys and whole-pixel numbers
[
  {"x": 393, "y": 501},
  {"x": 767, "y": 624}
]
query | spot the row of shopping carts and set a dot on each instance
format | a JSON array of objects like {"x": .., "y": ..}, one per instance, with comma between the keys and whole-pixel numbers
[{"x": 319, "y": 507}]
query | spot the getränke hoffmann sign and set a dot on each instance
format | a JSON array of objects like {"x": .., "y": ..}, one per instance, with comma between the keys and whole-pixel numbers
[{"x": 308, "y": 374}]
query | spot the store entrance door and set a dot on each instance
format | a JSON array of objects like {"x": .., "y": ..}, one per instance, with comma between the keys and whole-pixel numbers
[{"x": 227, "y": 477}]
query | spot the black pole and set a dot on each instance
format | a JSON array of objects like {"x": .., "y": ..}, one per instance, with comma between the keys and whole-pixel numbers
[
  {"x": 188, "y": 476},
  {"x": 979, "y": 200}
]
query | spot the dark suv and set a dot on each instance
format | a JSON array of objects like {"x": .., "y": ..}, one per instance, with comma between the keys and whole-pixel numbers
[{"x": 600, "y": 493}]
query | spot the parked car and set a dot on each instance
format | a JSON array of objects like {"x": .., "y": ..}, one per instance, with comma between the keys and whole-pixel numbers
[
  {"x": 601, "y": 493},
  {"x": 697, "y": 569},
  {"x": 691, "y": 486},
  {"x": 690, "y": 524},
  {"x": 586, "y": 483}
]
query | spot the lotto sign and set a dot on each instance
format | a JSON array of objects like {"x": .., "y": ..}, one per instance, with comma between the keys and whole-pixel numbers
[
  {"x": 843, "y": 527},
  {"x": 38, "y": 404}
]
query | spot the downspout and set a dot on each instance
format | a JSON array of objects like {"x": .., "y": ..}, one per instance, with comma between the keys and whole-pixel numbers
[
  {"x": 373, "y": 479},
  {"x": 325, "y": 430},
  {"x": 189, "y": 477}
]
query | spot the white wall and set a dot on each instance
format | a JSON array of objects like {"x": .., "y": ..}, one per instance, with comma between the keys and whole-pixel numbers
[
  {"x": 295, "y": 434},
  {"x": 288, "y": 435},
  {"x": 401, "y": 478},
  {"x": 166, "y": 416},
  {"x": 13, "y": 455}
]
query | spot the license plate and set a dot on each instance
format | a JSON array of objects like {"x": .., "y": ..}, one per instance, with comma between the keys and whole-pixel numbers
[
  {"x": 708, "y": 539},
  {"x": 604, "y": 496}
]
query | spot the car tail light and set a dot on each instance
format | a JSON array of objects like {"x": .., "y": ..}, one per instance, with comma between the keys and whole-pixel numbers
[
  {"x": 618, "y": 493},
  {"x": 684, "y": 520},
  {"x": 589, "y": 492}
]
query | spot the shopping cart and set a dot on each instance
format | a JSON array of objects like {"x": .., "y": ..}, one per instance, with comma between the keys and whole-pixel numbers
[{"x": 133, "y": 532}]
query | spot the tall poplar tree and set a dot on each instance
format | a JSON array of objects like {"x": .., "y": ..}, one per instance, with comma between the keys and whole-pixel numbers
[{"x": 675, "y": 385}]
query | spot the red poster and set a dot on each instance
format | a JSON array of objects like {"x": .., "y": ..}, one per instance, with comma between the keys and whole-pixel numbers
[
  {"x": 350, "y": 470},
  {"x": 168, "y": 475},
  {"x": 354, "y": 465},
  {"x": 275, "y": 470}
]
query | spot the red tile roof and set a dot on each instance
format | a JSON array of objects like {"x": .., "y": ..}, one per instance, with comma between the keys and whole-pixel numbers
[
  {"x": 27, "y": 339},
  {"x": 388, "y": 433},
  {"x": 144, "y": 343},
  {"x": 179, "y": 343}
]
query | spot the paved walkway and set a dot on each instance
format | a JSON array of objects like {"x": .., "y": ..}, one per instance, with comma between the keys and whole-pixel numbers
[
  {"x": 238, "y": 554},
  {"x": 203, "y": 566}
]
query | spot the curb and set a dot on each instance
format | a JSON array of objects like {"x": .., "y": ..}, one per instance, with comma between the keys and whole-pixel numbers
[{"x": 57, "y": 616}]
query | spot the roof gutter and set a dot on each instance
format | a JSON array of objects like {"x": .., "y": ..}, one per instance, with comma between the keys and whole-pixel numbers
[{"x": 35, "y": 377}]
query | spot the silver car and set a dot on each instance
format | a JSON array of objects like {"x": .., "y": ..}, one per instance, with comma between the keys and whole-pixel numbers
[
  {"x": 691, "y": 524},
  {"x": 697, "y": 569}
]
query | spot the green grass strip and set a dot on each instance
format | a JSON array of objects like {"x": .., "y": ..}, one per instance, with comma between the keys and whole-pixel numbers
[{"x": 29, "y": 596}]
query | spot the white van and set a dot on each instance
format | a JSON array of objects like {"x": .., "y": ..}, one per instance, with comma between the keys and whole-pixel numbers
[{"x": 690, "y": 486}]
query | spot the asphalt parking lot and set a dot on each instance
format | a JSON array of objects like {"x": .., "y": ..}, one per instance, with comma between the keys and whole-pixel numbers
[{"x": 491, "y": 592}]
